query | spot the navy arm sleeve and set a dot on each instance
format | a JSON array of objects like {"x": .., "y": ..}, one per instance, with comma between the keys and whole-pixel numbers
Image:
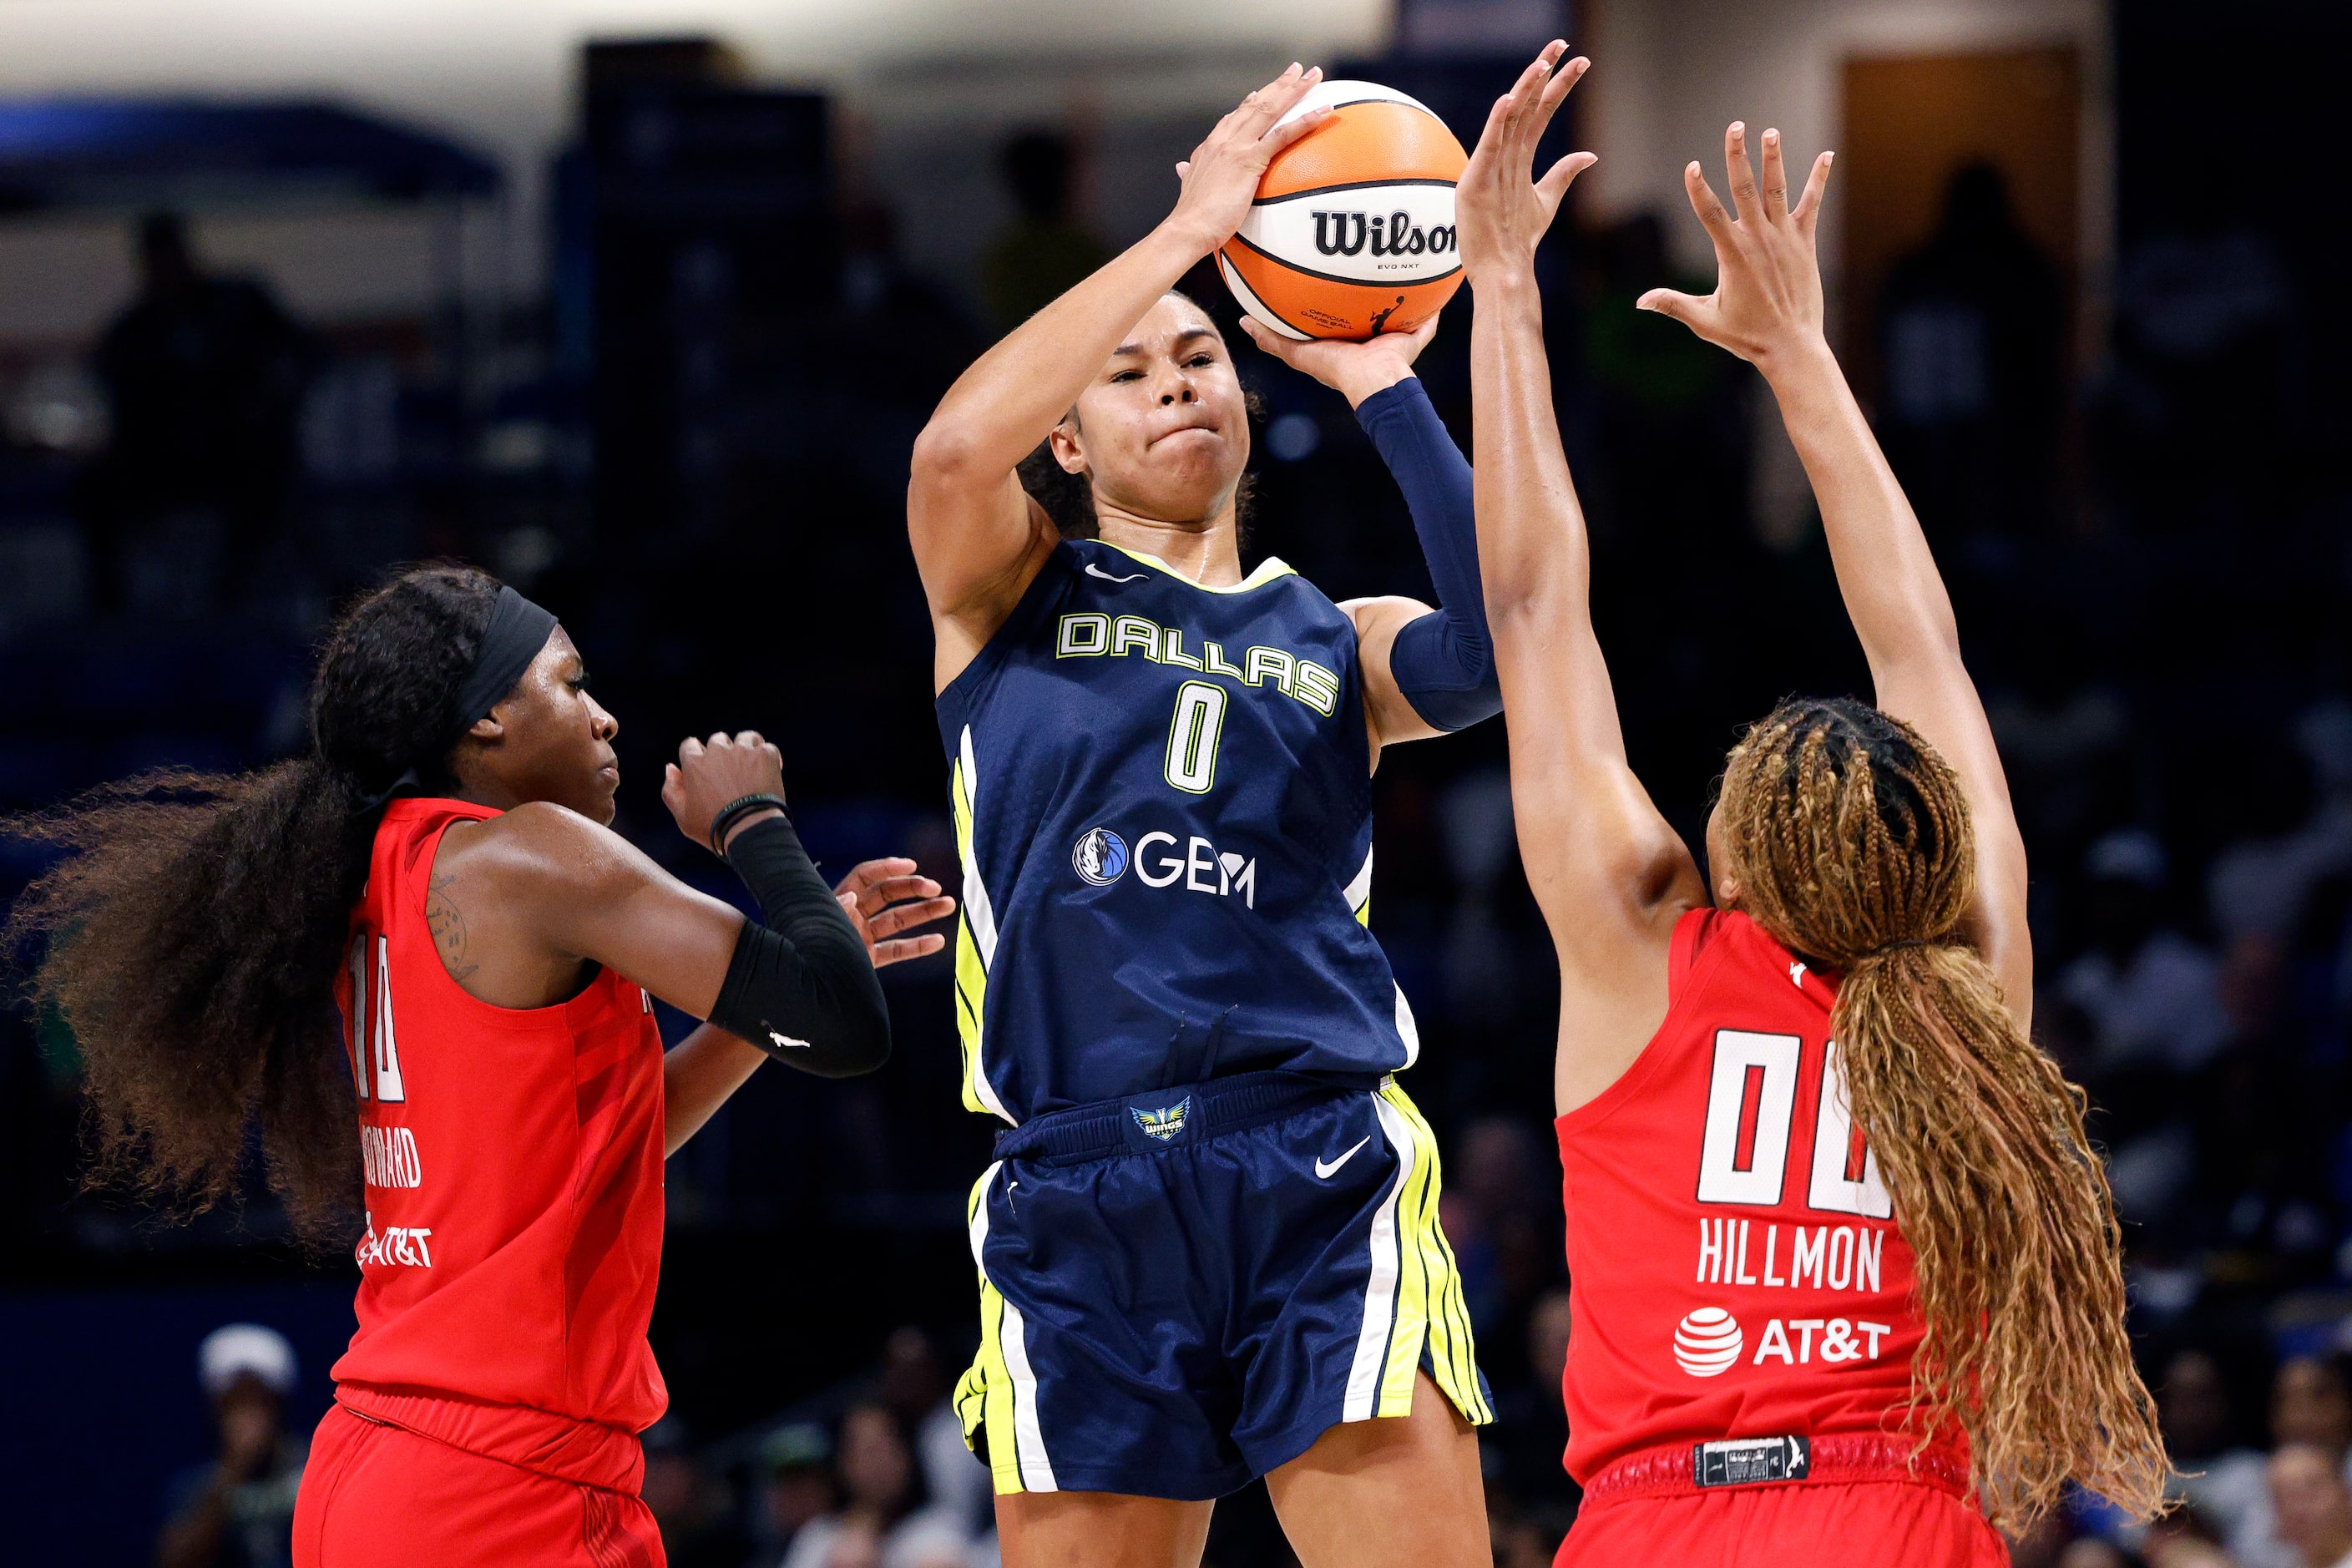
[
  {"x": 1444, "y": 661},
  {"x": 801, "y": 986}
]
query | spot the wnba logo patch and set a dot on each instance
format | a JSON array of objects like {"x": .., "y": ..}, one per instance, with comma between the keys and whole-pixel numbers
[
  {"x": 1100, "y": 856},
  {"x": 1708, "y": 1342},
  {"x": 1165, "y": 1122}
]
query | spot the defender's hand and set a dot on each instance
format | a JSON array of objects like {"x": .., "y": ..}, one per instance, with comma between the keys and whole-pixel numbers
[
  {"x": 1355, "y": 371},
  {"x": 709, "y": 775},
  {"x": 1220, "y": 176},
  {"x": 1500, "y": 209},
  {"x": 1766, "y": 304},
  {"x": 883, "y": 898}
]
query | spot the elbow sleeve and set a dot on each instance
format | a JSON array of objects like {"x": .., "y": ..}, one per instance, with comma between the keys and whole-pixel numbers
[
  {"x": 800, "y": 985},
  {"x": 1446, "y": 670}
]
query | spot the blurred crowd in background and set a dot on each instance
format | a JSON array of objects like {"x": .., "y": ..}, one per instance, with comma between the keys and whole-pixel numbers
[{"x": 695, "y": 452}]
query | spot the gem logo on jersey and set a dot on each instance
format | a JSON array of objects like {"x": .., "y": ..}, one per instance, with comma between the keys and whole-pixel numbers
[
  {"x": 1165, "y": 1122},
  {"x": 1100, "y": 856},
  {"x": 1708, "y": 1342}
]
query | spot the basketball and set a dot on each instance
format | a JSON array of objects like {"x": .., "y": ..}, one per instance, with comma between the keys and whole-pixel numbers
[{"x": 1352, "y": 231}]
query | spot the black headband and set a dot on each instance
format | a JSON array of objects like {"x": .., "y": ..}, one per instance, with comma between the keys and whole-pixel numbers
[{"x": 519, "y": 629}]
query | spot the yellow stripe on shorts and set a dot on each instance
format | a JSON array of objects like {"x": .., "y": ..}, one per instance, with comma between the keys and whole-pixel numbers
[
  {"x": 1429, "y": 1307},
  {"x": 999, "y": 1391}
]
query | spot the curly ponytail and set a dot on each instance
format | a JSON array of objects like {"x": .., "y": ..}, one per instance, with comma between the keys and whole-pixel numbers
[
  {"x": 1852, "y": 844},
  {"x": 195, "y": 926}
]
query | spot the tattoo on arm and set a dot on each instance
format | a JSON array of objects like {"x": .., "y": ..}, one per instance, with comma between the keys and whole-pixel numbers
[{"x": 448, "y": 928}]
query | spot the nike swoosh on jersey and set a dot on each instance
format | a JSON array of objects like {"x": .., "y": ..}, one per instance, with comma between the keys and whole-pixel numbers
[
  {"x": 1323, "y": 1171},
  {"x": 1095, "y": 571}
]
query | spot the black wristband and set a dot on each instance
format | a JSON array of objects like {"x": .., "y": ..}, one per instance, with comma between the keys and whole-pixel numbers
[{"x": 742, "y": 805}]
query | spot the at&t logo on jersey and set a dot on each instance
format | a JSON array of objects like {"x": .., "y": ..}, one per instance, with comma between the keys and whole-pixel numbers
[
  {"x": 397, "y": 1244},
  {"x": 1100, "y": 856},
  {"x": 1708, "y": 1342}
]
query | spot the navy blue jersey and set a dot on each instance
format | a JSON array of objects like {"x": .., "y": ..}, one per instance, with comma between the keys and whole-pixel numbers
[{"x": 1162, "y": 799}]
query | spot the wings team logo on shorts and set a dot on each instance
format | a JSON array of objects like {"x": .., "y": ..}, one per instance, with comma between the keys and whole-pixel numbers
[
  {"x": 1165, "y": 1122},
  {"x": 1708, "y": 1342},
  {"x": 1099, "y": 855}
]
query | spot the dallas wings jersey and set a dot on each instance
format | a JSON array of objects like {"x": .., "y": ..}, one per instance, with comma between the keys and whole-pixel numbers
[{"x": 1162, "y": 802}]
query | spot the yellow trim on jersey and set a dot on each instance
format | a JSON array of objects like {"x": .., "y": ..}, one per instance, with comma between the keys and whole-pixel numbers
[
  {"x": 1267, "y": 571},
  {"x": 1430, "y": 1307},
  {"x": 970, "y": 971}
]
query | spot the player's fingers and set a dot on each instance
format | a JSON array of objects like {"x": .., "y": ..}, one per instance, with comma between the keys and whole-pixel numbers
[
  {"x": 1807, "y": 210},
  {"x": 866, "y": 873},
  {"x": 1272, "y": 342},
  {"x": 1418, "y": 339},
  {"x": 906, "y": 947},
  {"x": 1183, "y": 167},
  {"x": 1555, "y": 93},
  {"x": 750, "y": 739},
  {"x": 905, "y": 917},
  {"x": 1268, "y": 103},
  {"x": 1684, "y": 308},
  {"x": 1523, "y": 94},
  {"x": 1562, "y": 174},
  {"x": 1741, "y": 173},
  {"x": 1703, "y": 202},
  {"x": 688, "y": 749},
  {"x": 719, "y": 741},
  {"x": 1306, "y": 124},
  {"x": 1776, "y": 179},
  {"x": 897, "y": 889}
]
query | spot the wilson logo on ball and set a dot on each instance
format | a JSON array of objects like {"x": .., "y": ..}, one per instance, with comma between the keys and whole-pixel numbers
[
  {"x": 1352, "y": 231},
  {"x": 1401, "y": 238},
  {"x": 1708, "y": 1342}
]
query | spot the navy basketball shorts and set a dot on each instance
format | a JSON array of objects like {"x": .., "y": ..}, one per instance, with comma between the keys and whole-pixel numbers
[{"x": 1184, "y": 1290}]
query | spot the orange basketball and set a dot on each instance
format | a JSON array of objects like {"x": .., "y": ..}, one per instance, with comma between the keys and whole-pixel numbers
[{"x": 1352, "y": 231}]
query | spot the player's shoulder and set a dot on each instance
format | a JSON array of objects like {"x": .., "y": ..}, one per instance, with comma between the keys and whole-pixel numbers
[
  {"x": 1724, "y": 955},
  {"x": 537, "y": 845}
]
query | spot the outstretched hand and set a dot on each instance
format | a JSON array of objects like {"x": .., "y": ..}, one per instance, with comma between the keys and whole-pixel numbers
[
  {"x": 1767, "y": 286},
  {"x": 1220, "y": 176},
  {"x": 883, "y": 898},
  {"x": 1354, "y": 369},
  {"x": 1500, "y": 209}
]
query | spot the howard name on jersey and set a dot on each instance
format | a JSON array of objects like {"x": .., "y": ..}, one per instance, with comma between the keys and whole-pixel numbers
[
  {"x": 1732, "y": 1248},
  {"x": 1163, "y": 810}
]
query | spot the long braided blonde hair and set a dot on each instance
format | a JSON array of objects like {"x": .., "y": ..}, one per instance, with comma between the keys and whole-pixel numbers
[{"x": 1850, "y": 842}]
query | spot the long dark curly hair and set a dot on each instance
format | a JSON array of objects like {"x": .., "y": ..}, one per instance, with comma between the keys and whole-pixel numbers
[{"x": 191, "y": 934}]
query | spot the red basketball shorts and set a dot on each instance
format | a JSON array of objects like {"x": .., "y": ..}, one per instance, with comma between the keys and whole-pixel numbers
[
  {"x": 375, "y": 1496},
  {"x": 1856, "y": 1522},
  {"x": 1860, "y": 1505}
]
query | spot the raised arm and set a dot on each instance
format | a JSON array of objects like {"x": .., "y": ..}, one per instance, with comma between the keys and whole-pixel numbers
[
  {"x": 979, "y": 539},
  {"x": 1426, "y": 671},
  {"x": 1767, "y": 308},
  {"x": 1609, "y": 874}
]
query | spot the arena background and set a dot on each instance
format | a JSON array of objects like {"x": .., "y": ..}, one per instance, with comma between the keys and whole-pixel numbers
[{"x": 641, "y": 303}]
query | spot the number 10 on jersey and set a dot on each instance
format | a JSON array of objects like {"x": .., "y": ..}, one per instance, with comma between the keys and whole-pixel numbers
[{"x": 1192, "y": 734}]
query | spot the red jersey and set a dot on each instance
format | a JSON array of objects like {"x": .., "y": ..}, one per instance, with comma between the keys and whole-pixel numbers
[
  {"x": 1734, "y": 1265},
  {"x": 513, "y": 1159}
]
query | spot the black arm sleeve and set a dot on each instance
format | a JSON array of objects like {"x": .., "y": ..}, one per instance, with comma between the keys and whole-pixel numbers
[{"x": 801, "y": 986}]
